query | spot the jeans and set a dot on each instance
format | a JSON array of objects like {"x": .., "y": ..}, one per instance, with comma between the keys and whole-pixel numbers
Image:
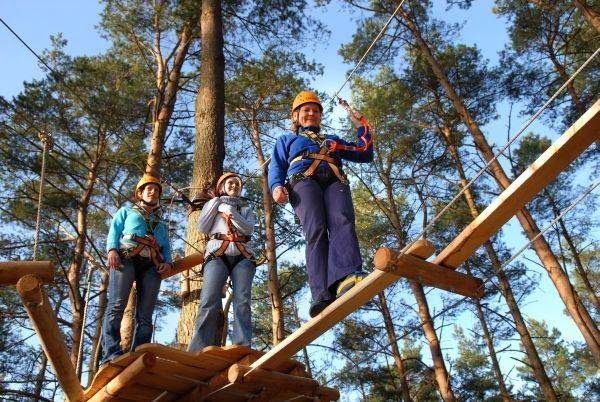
[
  {"x": 326, "y": 213},
  {"x": 207, "y": 321},
  {"x": 147, "y": 280}
]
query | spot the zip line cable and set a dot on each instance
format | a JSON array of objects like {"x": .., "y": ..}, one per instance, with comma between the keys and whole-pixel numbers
[{"x": 370, "y": 47}]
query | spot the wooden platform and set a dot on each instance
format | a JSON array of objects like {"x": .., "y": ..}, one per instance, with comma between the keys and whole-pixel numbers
[{"x": 160, "y": 373}]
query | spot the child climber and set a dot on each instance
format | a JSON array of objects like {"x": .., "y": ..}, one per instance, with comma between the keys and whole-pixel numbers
[
  {"x": 229, "y": 225},
  {"x": 306, "y": 168}
]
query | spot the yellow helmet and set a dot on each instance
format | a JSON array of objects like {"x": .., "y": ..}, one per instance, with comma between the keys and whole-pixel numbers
[
  {"x": 225, "y": 176},
  {"x": 306, "y": 97},
  {"x": 147, "y": 179}
]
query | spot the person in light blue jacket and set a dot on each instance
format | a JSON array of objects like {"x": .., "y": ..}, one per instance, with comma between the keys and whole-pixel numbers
[
  {"x": 229, "y": 224},
  {"x": 306, "y": 169},
  {"x": 138, "y": 250}
]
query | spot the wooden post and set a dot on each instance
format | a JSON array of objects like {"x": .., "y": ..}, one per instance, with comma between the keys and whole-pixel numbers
[
  {"x": 12, "y": 271},
  {"x": 44, "y": 321},
  {"x": 184, "y": 264},
  {"x": 407, "y": 266},
  {"x": 124, "y": 378}
]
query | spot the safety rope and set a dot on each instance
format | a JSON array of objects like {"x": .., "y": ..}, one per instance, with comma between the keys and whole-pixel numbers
[
  {"x": 369, "y": 48},
  {"x": 47, "y": 146}
]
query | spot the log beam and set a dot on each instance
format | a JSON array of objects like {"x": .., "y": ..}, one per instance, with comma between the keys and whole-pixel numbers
[
  {"x": 184, "y": 264},
  {"x": 124, "y": 378},
  {"x": 360, "y": 294},
  {"x": 12, "y": 271},
  {"x": 584, "y": 132},
  {"x": 44, "y": 322},
  {"x": 426, "y": 273}
]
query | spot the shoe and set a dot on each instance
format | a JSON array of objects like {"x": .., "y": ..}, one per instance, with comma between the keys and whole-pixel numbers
[
  {"x": 349, "y": 282},
  {"x": 317, "y": 306}
]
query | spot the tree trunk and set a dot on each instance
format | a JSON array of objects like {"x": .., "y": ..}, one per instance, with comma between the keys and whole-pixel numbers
[
  {"x": 393, "y": 341},
  {"x": 39, "y": 379},
  {"x": 589, "y": 14},
  {"x": 530, "y": 349},
  {"x": 128, "y": 320},
  {"x": 579, "y": 268},
  {"x": 74, "y": 271},
  {"x": 489, "y": 341},
  {"x": 166, "y": 95},
  {"x": 439, "y": 367},
  {"x": 95, "y": 341},
  {"x": 209, "y": 150},
  {"x": 277, "y": 327},
  {"x": 574, "y": 306}
]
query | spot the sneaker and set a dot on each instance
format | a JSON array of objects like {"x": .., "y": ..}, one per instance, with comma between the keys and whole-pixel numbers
[
  {"x": 349, "y": 282},
  {"x": 317, "y": 306}
]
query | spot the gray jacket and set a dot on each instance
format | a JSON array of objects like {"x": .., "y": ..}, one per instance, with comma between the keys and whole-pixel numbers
[{"x": 211, "y": 221}]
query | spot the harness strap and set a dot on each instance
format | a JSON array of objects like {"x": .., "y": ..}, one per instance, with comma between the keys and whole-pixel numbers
[
  {"x": 322, "y": 155},
  {"x": 231, "y": 236},
  {"x": 150, "y": 242}
]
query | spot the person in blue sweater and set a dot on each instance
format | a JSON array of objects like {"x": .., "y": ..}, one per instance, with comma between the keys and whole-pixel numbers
[
  {"x": 138, "y": 250},
  {"x": 306, "y": 169}
]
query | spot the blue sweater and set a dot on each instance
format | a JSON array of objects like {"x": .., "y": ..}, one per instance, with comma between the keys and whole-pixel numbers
[
  {"x": 129, "y": 220},
  {"x": 289, "y": 146}
]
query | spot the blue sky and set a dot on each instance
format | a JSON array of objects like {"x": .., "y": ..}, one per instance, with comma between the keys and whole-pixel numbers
[{"x": 36, "y": 20}]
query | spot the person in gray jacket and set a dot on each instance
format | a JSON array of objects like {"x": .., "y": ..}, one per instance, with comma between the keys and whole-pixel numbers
[{"x": 229, "y": 225}]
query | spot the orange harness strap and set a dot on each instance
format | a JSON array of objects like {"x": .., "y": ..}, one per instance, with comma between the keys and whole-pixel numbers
[
  {"x": 150, "y": 242},
  {"x": 231, "y": 236}
]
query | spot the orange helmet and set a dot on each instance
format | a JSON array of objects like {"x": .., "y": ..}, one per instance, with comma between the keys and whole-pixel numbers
[
  {"x": 306, "y": 97},
  {"x": 225, "y": 176},
  {"x": 147, "y": 179}
]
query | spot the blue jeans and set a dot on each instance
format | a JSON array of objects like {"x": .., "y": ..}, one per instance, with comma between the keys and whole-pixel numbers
[
  {"x": 207, "y": 321},
  {"x": 326, "y": 213},
  {"x": 147, "y": 281}
]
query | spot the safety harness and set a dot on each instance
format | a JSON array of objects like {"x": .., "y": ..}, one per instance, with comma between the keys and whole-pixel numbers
[
  {"x": 329, "y": 146},
  {"x": 147, "y": 242},
  {"x": 232, "y": 235}
]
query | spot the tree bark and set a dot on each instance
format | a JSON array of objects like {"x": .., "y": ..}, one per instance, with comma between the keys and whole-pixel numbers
[
  {"x": 579, "y": 268},
  {"x": 527, "y": 342},
  {"x": 209, "y": 150},
  {"x": 439, "y": 367},
  {"x": 574, "y": 306},
  {"x": 588, "y": 13},
  {"x": 277, "y": 327},
  {"x": 393, "y": 341},
  {"x": 74, "y": 271},
  {"x": 167, "y": 86}
]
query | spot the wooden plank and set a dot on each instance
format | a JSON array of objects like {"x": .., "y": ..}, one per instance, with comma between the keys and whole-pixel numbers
[
  {"x": 44, "y": 321},
  {"x": 360, "y": 294},
  {"x": 108, "y": 371},
  {"x": 584, "y": 132},
  {"x": 124, "y": 378},
  {"x": 12, "y": 271},
  {"x": 407, "y": 266},
  {"x": 207, "y": 362}
]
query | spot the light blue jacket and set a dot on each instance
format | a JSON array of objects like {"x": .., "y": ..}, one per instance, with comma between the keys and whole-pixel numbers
[{"x": 130, "y": 220}]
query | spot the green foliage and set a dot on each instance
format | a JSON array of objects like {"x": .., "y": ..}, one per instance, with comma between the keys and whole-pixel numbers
[{"x": 569, "y": 379}]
